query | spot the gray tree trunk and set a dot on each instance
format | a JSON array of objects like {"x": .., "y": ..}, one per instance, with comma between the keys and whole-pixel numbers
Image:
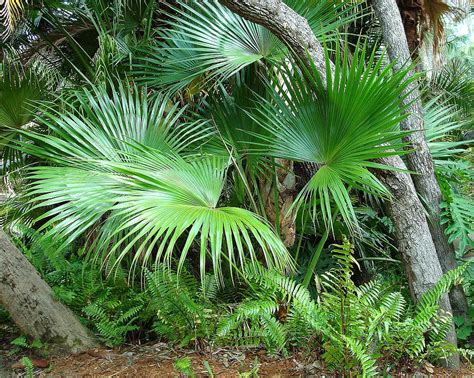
[
  {"x": 419, "y": 161},
  {"x": 412, "y": 231},
  {"x": 31, "y": 304}
]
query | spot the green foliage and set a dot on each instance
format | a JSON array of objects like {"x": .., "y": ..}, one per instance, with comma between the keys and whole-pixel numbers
[
  {"x": 185, "y": 366},
  {"x": 148, "y": 192},
  {"x": 22, "y": 343},
  {"x": 28, "y": 364},
  {"x": 454, "y": 83},
  {"x": 341, "y": 129},
  {"x": 162, "y": 182},
  {"x": 355, "y": 324},
  {"x": 108, "y": 305},
  {"x": 204, "y": 42},
  {"x": 20, "y": 88},
  {"x": 444, "y": 127},
  {"x": 184, "y": 309},
  {"x": 205, "y": 38},
  {"x": 459, "y": 215},
  {"x": 113, "y": 318}
]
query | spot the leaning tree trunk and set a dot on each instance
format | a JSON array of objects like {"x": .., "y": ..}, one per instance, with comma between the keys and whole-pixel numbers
[
  {"x": 419, "y": 161},
  {"x": 31, "y": 304},
  {"x": 413, "y": 234}
]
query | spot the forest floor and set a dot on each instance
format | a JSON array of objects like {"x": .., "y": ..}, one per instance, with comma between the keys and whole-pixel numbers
[{"x": 160, "y": 360}]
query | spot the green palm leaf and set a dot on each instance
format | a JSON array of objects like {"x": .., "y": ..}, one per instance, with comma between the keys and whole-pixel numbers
[
  {"x": 205, "y": 38},
  {"x": 124, "y": 164},
  {"x": 20, "y": 89},
  {"x": 441, "y": 122},
  {"x": 341, "y": 129},
  {"x": 327, "y": 18},
  {"x": 206, "y": 41}
]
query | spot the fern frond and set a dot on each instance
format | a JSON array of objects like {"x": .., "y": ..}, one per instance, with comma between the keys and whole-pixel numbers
[
  {"x": 458, "y": 214},
  {"x": 431, "y": 298},
  {"x": 367, "y": 363}
]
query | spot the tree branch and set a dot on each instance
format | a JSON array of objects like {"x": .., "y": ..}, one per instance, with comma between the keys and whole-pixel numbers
[{"x": 291, "y": 28}]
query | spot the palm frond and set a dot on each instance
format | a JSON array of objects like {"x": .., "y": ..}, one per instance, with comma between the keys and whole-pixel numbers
[
  {"x": 201, "y": 39},
  {"x": 10, "y": 12},
  {"x": 327, "y": 19},
  {"x": 454, "y": 84},
  {"x": 21, "y": 88},
  {"x": 126, "y": 164},
  {"x": 341, "y": 129},
  {"x": 205, "y": 40},
  {"x": 441, "y": 122}
]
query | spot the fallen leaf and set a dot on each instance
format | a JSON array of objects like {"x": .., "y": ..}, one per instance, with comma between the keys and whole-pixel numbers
[{"x": 37, "y": 363}]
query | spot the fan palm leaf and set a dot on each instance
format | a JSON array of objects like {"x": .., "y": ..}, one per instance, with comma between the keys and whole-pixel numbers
[
  {"x": 341, "y": 130},
  {"x": 205, "y": 40},
  {"x": 20, "y": 88},
  {"x": 126, "y": 164},
  {"x": 441, "y": 123}
]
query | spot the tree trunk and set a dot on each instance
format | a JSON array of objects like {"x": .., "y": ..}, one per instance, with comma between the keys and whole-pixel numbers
[
  {"x": 420, "y": 161},
  {"x": 280, "y": 188},
  {"x": 30, "y": 302},
  {"x": 411, "y": 16},
  {"x": 413, "y": 234}
]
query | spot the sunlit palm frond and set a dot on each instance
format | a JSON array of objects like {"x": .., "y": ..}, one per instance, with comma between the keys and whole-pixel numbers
[
  {"x": 10, "y": 12},
  {"x": 125, "y": 164},
  {"x": 205, "y": 40},
  {"x": 341, "y": 129},
  {"x": 96, "y": 125},
  {"x": 327, "y": 18}
]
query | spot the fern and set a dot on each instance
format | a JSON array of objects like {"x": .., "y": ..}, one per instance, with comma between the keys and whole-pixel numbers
[
  {"x": 111, "y": 320},
  {"x": 183, "y": 309},
  {"x": 28, "y": 364},
  {"x": 458, "y": 214},
  {"x": 367, "y": 362},
  {"x": 355, "y": 324}
]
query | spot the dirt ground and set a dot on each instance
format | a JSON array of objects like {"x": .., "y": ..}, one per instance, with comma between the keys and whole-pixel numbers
[{"x": 160, "y": 360}]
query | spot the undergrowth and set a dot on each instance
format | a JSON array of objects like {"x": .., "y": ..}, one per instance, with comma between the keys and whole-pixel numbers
[{"x": 352, "y": 326}]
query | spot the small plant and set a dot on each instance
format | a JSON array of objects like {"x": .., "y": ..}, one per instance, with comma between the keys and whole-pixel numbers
[
  {"x": 28, "y": 364},
  {"x": 185, "y": 366},
  {"x": 22, "y": 343},
  {"x": 113, "y": 318},
  {"x": 208, "y": 369}
]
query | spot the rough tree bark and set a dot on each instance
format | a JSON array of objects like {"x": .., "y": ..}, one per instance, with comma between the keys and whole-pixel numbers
[
  {"x": 285, "y": 182},
  {"x": 419, "y": 161},
  {"x": 31, "y": 304},
  {"x": 291, "y": 28},
  {"x": 414, "y": 239}
]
